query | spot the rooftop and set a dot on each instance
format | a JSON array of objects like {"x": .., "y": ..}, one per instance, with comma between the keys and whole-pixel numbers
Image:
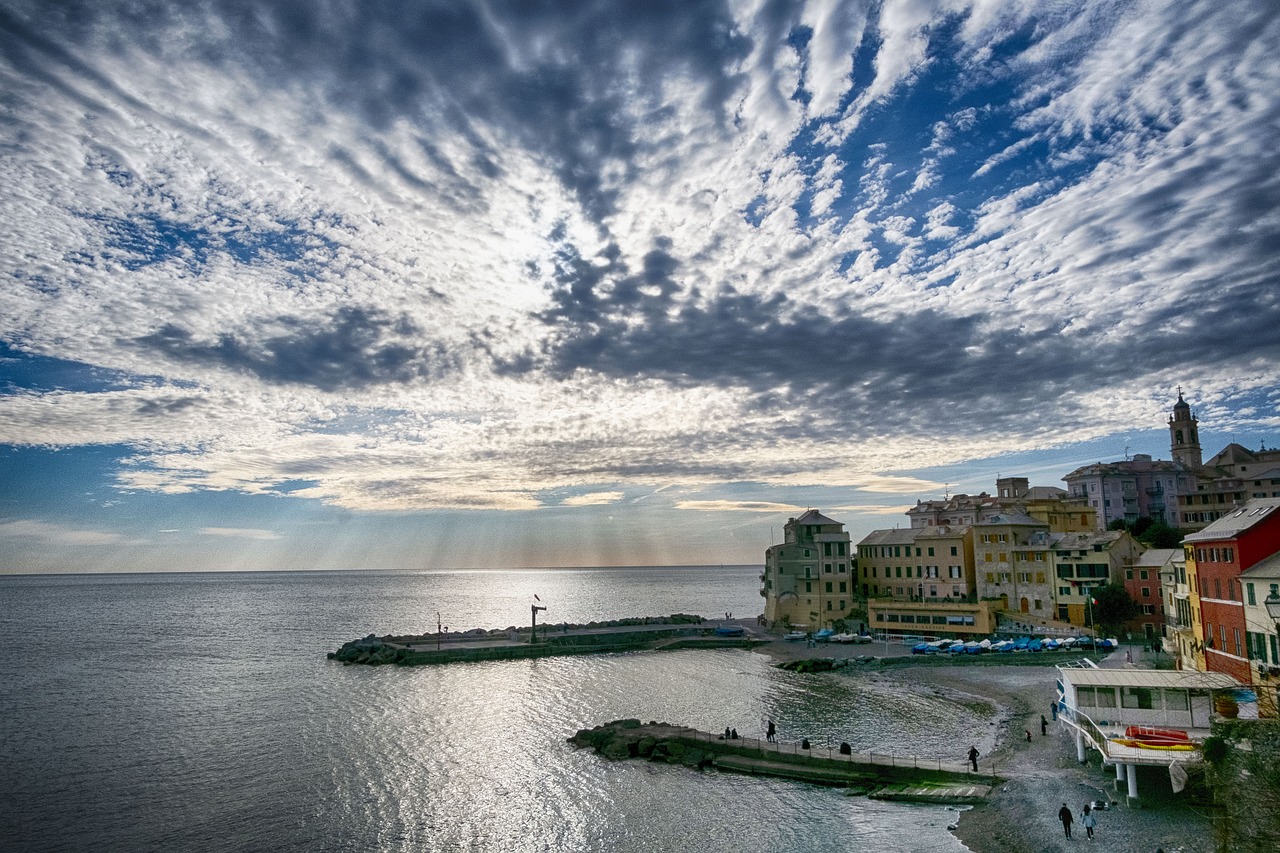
[{"x": 1168, "y": 678}]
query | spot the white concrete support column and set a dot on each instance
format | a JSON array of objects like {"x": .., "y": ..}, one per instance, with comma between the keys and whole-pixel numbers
[
  {"x": 1080, "y": 746},
  {"x": 1119, "y": 775},
  {"x": 1133, "y": 783}
]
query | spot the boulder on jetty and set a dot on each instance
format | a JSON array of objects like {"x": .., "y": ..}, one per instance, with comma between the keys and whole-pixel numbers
[
  {"x": 622, "y": 739},
  {"x": 369, "y": 650}
]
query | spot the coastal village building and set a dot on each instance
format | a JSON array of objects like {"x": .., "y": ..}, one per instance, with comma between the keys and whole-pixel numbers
[
  {"x": 1045, "y": 503},
  {"x": 1012, "y": 564},
  {"x": 1185, "y": 492},
  {"x": 1084, "y": 561},
  {"x": 1099, "y": 706},
  {"x": 1179, "y": 624},
  {"x": 917, "y": 564},
  {"x": 1216, "y": 558},
  {"x": 945, "y": 618},
  {"x": 807, "y": 579},
  {"x": 1142, "y": 581},
  {"x": 1262, "y": 582},
  {"x": 920, "y": 581}
]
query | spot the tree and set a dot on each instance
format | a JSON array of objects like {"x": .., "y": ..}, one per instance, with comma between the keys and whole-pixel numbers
[
  {"x": 1112, "y": 607},
  {"x": 1161, "y": 535}
]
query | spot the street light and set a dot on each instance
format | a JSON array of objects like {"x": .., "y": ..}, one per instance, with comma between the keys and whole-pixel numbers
[{"x": 1273, "y": 607}]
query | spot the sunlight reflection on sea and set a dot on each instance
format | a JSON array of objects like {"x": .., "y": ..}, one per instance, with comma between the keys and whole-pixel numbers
[{"x": 199, "y": 713}]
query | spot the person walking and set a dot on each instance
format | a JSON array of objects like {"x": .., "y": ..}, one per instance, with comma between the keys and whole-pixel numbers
[
  {"x": 1044, "y": 726},
  {"x": 772, "y": 732},
  {"x": 973, "y": 758},
  {"x": 1053, "y": 709},
  {"x": 1064, "y": 815},
  {"x": 1090, "y": 821}
]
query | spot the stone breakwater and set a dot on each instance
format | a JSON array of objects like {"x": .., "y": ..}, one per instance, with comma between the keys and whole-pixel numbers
[
  {"x": 645, "y": 632},
  {"x": 887, "y": 778}
]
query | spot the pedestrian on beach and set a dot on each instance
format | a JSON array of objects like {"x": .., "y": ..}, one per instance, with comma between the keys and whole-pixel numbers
[
  {"x": 1089, "y": 821},
  {"x": 726, "y": 733},
  {"x": 772, "y": 733},
  {"x": 973, "y": 758},
  {"x": 1053, "y": 709},
  {"x": 1064, "y": 815},
  {"x": 1028, "y": 735},
  {"x": 1044, "y": 726}
]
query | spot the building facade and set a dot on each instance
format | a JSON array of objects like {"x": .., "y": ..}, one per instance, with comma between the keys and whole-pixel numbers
[
  {"x": 1221, "y": 553},
  {"x": 1143, "y": 582},
  {"x": 1262, "y": 582},
  {"x": 807, "y": 579},
  {"x": 1001, "y": 574},
  {"x": 1082, "y": 562}
]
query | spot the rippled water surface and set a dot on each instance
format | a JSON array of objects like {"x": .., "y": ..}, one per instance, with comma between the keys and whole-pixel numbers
[{"x": 198, "y": 712}]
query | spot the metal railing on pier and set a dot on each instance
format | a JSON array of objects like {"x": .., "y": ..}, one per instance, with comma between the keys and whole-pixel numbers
[{"x": 764, "y": 749}]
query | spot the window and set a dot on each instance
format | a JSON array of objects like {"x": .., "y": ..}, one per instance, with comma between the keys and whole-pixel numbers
[
  {"x": 931, "y": 552},
  {"x": 1248, "y": 588},
  {"x": 1146, "y": 592},
  {"x": 1137, "y": 697},
  {"x": 808, "y": 586},
  {"x": 1142, "y": 575},
  {"x": 1106, "y": 697},
  {"x": 953, "y": 551},
  {"x": 829, "y": 587},
  {"x": 1086, "y": 697}
]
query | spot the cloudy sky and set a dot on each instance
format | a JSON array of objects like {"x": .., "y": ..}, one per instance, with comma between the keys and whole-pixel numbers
[{"x": 467, "y": 283}]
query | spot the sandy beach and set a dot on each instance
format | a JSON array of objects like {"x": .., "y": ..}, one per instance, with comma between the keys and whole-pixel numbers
[{"x": 1021, "y": 815}]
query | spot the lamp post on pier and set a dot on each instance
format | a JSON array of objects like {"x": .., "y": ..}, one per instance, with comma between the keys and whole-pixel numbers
[{"x": 533, "y": 631}]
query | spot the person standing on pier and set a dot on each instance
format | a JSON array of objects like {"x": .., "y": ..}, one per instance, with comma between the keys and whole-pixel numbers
[{"x": 973, "y": 758}]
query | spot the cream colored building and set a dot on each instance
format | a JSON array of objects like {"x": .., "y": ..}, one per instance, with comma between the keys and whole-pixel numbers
[
  {"x": 807, "y": 579},
  {"x": 1258, "y": 583},
  {"x": 1012, "y": 564}
]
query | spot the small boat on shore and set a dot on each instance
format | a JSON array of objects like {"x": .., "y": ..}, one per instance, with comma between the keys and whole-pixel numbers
[
  {"x": 794, "y": 635},
  {"x": 1153, "y": 737}
]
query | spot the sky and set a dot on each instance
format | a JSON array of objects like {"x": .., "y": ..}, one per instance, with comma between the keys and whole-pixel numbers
[{"x": 300, "y": 285}]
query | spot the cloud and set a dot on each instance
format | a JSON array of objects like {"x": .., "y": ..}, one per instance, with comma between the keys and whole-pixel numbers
[
  {"x": 239, "y": 533},
  {"x": 736, "y": 506},
  {"x": 57, "y": 535},
  {"x": 469, "y": 255},
  {"x": 593, "y": 499}
]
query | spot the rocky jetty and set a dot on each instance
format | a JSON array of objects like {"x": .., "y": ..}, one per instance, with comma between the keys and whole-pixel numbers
[{"x": 512, "y": 642}]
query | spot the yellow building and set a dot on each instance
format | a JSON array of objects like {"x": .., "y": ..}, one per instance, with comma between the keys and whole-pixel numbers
[
  {"x": 1193, "y": 656},
  {"x": 807, "y": 579},
  {"x": 930, "y": 619}
]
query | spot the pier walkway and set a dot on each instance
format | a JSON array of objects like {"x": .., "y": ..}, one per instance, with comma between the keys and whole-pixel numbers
[{"x": 879, "y": 775}]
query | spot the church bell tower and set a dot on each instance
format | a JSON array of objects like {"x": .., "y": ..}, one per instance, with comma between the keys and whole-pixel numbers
[{"x": 1184, "y": 435}]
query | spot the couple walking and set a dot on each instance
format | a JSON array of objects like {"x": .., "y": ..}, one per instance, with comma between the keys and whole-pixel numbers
[{"x": 1087, "y": 819}]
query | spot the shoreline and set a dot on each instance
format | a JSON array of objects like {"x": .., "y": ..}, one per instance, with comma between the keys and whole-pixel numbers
[{"x": 1020, "y": 816}]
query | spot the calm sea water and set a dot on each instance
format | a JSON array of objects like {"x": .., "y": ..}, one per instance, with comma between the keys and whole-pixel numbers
[{"x": 198, "y": 712}]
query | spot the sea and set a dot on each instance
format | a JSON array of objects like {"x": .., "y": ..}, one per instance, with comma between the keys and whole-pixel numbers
[{"x": 194, "y": 712}]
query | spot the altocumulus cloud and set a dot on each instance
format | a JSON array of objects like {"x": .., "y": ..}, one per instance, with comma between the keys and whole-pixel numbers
[{"x": 480, "y": 254}]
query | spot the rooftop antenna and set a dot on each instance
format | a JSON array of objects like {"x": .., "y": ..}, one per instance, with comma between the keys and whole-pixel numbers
[{"x": 946, "y": 491}]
